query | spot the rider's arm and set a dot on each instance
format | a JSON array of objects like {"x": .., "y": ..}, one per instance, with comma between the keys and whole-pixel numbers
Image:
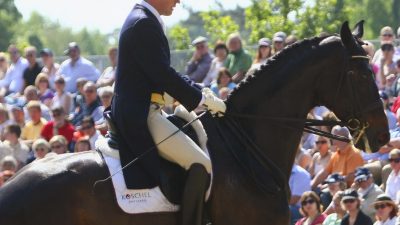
[{"x": 147, "y": 42}]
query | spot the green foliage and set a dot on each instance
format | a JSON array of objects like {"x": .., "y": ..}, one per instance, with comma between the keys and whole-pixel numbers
[
  {"x": 324, "y": 16},
  {"x": 179, "y": 37},
  {"x": 9, "y": 17},
  {"x": 42, "y": 32},
  {"x": 218, "y": 27},
  {"x": 266, "y": 17}
]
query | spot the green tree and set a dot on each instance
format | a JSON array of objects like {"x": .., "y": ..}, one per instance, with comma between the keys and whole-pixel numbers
[
  {"x": 179, "y": 37},
  {"x": 218, "y": 27},
  {"x": 324, "y": 16},
  {"x": 9, "y": 17},
  {"x": 266, "y": 17}
]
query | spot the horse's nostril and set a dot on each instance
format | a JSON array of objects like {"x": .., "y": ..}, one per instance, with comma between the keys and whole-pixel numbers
[{"x": 383, "y": 138}]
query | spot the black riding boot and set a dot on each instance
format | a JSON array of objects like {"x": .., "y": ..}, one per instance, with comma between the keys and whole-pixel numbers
[{"x": 194, "y": 195}]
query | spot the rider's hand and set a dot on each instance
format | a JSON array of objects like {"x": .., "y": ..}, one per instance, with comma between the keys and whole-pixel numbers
[{"x": 213, "y": 103}]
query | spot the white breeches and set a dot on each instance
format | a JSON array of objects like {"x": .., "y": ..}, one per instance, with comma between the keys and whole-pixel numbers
[{"x": 179, "y": 149}]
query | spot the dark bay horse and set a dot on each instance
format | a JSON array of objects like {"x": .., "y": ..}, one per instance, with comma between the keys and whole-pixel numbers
[{"x": 331, "y": 71}]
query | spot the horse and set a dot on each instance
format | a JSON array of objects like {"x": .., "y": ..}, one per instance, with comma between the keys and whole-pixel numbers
[{"x": 265, "y": 117}]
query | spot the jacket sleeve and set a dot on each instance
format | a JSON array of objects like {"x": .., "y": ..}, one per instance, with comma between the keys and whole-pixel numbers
[{"x": 146, "y": 41}]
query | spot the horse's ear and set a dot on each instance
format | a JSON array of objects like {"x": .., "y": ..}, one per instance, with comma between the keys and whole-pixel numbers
[
  {"x": 346, "y": 36},
  {"x": 358, "y": 31}
]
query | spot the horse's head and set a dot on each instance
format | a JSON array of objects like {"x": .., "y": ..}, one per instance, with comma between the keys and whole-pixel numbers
[{"x": 357, "y": 101}]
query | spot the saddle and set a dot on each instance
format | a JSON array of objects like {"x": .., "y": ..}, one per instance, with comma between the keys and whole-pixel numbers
[{"x": 172, "y": 176}]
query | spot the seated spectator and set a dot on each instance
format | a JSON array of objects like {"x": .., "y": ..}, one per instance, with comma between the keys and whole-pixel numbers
[
  {"x": 89, "y": 130},
  {"x": 107, "y": 78},
  {"x": 238, "y": 61},
  {"x": 336, "y": 217},
  {"x": 58, "y": 144},
  {"x": 351, "y": 203},
  {"x": 58, "y": 126},
  {"x": 4, "y": 119},
  {"x": 335, "y": 184},
  {"x": 299, "y": 182},
  {"x": 19, "y": 150},
  {"x": 6, "y": 175},
  {"x": 13, "y": 82},
  {"x": 9, "y": 163},
  {"x": 291, "y": 39},
  {"x": 311, "y": 209},
  {"x": 224, "y": 79},
  {"x": 91, "y": 106},
  {"x": 83, "y": 145},
  {"x": 367, "y": 190},
  {"x": 391, "y": 117},
  {"x": 33, "y": 128},
  {"x": 45, "y": 93},
  {"x": 50, "y": 67},
  {"x": 18, "y": 116},
  {"x": 386, "y": 37},
  {"x": 393, "y": 181},
  {"x": 105, "y": 93},
  {"x": 263, "y": 53},
  {"x": 369, "y": 48},
  {"x": 321, "y": 157},
  {"x": 200, "y": 63},
  {"x": 386, "y": 210},
  {"x": 31, "y": 94},
  {"x": 220, "y": 52},
  {"x": 3, "y": 65},
  {"x": 303, "y": 158},
  {"x": 387, "y": 67},
  {"x": 40, "y": 148},
  {"x": 61, "y": 97},
  {"x": 278, "y": 42},
  {"x": 33, "y": 69},
  {"x": 78, "y": 97},
  {"x": 76, "y": 67},
  {"x": 344, "y": 161}
]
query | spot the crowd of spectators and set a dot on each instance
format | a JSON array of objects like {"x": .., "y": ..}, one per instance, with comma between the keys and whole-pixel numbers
[{"x": 48, "y": 109}]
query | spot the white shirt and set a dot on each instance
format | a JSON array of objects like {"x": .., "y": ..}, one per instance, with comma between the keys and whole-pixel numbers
[
  {"x": 393, "y": 186},
  {"x": 155, "y": 13},
  {"x": 14, "y": 79},
  {"x": 387, "y": 222},
  {"x": 82, "y": 68}
]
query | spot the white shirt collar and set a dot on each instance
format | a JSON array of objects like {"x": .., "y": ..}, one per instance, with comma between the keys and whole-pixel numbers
[{"x": 155, "y": 13}]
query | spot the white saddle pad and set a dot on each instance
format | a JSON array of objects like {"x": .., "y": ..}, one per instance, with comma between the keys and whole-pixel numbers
[{"x": 133, "y": 201}]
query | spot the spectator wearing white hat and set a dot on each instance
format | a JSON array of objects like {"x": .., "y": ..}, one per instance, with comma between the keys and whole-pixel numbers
[
  {"x": 386, "y": 210},
  {"x": 200, "y": 63},
  {"x": 278, "y": 42},
  {"x": 263, "y": 53},
  {"x": 76, "y": 67}
]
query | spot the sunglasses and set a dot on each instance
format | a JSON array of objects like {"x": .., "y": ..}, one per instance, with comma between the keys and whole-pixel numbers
[
  {"x": 380, "y": 206},
  {"x": 397, "y": 160},
  {"x": 349, "y": 201},
  {"x": 321, "y": 142},
  {"x": 310, "y": 201},
  {"x": 387, "y": 35}
]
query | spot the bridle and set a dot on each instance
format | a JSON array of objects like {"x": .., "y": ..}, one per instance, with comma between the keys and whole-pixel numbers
[{"x": 357, "y": 126}]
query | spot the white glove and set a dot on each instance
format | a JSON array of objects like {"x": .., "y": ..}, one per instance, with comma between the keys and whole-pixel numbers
[{"x": 213, "y": 103}]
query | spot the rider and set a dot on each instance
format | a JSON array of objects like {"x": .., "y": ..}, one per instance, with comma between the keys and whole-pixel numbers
[{"x": 143, "y": 75}]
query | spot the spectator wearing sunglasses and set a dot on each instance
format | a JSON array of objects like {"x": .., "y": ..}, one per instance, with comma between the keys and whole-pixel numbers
[
  {"x": 367, "y": 190},
  {"x": 386, "y": 210},
  {"x": 58, "y": 125},
  {"x": 311, "y": 209},
  {"x": 351, "y": 203},
  {"x": 58, "y": 144},
  {"x": 322, "y": 155},
  {"x": 386, "y": 37},
  {"x": 393, "y": 181},
  {"x": 89, "y": 130}
]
